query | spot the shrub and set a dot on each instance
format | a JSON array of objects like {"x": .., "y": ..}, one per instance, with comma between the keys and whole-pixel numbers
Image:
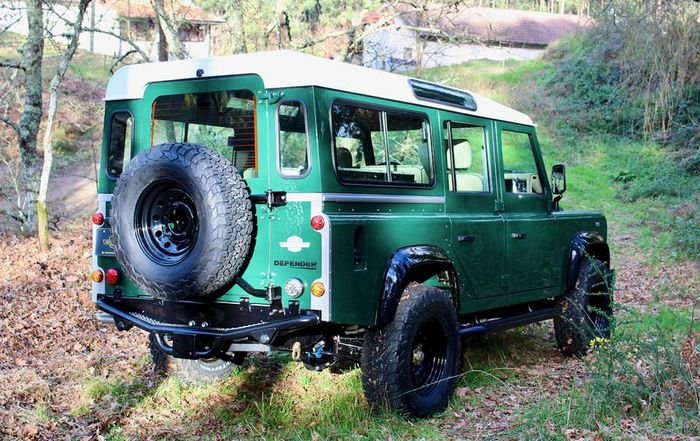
[{"x": 636, "y": 71}]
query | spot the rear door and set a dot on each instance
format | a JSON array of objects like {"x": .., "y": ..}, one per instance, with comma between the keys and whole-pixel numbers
[
  {"x": 530, "y": 226},
  {"x": 230, "y": 116},
  {"x": 477, "y": 228}
]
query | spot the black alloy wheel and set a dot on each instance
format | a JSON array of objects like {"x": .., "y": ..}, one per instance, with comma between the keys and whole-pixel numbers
[
  {"x": 166, "y": 222},
  {"x": 410, "y": 365},
  {"x": 428, "y": 357}
]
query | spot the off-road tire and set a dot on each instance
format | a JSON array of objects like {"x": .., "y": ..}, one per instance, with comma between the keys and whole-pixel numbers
[
  {"x": 389, "y": 359},
  {"x": 586, "y": 312},
  {"x": 220, "y": 221},
  {"x": 194, "y": 371}
]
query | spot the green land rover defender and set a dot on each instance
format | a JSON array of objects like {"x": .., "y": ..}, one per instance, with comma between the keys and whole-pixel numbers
[{"x": 278, "y": 201}]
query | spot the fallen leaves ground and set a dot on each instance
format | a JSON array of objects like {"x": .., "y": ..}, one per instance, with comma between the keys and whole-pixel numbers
[{"x": 52, "y": 350}]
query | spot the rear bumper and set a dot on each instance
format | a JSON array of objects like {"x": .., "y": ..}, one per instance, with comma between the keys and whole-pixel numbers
[{"x": 206, "y": 340}]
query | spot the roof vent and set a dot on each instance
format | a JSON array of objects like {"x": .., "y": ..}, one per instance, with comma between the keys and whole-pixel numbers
[{"x": 437, "y": 93}]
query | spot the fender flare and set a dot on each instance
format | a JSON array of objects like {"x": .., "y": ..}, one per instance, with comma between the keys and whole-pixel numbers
[
  {"x": 585, "y": 243},
  {"x": 415, "y": 263}
]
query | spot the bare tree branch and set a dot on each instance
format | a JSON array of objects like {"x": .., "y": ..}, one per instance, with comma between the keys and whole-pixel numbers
[
  {"x": 10, "y": 123},
  {"x": 11, "y": 64},
  {"x": 120, "y": 59},
  {"x": 135, "y": 48}
]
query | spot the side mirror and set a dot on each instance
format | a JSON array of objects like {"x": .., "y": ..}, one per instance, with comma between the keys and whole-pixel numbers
[{"x": 558, "y": 179}]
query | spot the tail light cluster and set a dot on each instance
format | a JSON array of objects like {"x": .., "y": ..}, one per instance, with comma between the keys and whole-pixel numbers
[{"x": 112, "y": 275}]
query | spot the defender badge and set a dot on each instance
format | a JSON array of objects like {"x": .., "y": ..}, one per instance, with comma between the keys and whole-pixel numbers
[{"x": 295, "y": 244}]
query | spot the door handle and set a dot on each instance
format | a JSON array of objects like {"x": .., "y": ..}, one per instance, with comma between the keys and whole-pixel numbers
[
  {"x": 466, "y": 238},
  {"x": 518, "y": 235}
]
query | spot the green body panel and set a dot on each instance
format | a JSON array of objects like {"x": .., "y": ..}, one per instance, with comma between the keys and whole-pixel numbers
[{"x": 477, "y": 230}]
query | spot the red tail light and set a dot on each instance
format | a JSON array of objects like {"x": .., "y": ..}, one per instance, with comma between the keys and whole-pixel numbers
[
  {"x": 98, "y": 218},
  {"x": 112, "y": 276},
  {"x": 317, "y": 222}
]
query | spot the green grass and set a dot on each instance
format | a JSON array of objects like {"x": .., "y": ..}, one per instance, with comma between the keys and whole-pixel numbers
[{"x": 271, "y": 399}]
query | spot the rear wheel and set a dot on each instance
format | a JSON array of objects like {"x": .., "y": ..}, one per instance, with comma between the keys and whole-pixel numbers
[
  {"x": 202, "y": 371},
  {"x": 409, "y": 365},
  {"x": 586, "y": 312}
]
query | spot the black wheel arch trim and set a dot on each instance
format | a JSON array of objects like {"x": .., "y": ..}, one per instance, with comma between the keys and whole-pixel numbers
[
  {"x": 415, "y": 263},
  {"x": 585, "y": 243}
]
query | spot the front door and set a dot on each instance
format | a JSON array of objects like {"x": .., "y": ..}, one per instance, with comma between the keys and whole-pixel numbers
[
  {"x": 530, "y": 226},
  {"x": 477, "y": 228}
]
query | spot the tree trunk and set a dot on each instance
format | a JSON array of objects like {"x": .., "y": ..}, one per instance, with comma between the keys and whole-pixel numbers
[
  {"x": 66, "y": 57},
  {"x": 28, "y": 128},
  {"x": 169, "y": 30}
]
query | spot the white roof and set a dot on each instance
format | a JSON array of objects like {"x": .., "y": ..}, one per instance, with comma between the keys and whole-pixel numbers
[{"x": 293, "y": 69}]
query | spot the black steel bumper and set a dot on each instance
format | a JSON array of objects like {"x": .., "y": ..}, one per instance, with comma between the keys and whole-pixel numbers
[{"x": 204, "y": 342}]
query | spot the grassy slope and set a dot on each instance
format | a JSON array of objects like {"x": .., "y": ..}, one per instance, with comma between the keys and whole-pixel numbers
[{"x": 514, "y": 383}]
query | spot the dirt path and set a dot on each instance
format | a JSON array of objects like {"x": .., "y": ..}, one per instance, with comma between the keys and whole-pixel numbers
[{"x": 72, "y": 193}]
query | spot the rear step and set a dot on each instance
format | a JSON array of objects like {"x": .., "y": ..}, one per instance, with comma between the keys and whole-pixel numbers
[{"x": 508, "y": 322}]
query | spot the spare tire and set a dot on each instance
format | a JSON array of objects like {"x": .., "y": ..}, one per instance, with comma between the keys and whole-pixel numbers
[{"x": 182, "y": 222}]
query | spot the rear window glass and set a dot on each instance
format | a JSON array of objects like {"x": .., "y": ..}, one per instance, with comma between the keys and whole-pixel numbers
[
  {"x": 223, "y": 121},
  {"x": 120, "y": 139},
  {"x": 377, "y": 146}
]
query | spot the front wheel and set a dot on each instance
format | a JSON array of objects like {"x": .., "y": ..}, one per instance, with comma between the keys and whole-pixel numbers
[
  {"x": 586, "y": 312},
  {"x": 410, "y": 364}
]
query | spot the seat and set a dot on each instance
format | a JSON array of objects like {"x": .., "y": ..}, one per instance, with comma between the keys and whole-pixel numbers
[
  {"x": 466, "y": 181},
  {"x": 344, "y": 158}
]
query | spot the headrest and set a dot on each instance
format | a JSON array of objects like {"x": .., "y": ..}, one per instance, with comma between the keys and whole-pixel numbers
[
  {"x": 344, "y": 157},
  {"x": 463, "y": 155}
]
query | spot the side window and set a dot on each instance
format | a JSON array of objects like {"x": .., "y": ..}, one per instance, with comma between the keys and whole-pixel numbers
[
  {"x": 292, "y": 139},
  {"x": 120, "y": 137},
  {"x": 519, "y": 166},
  {"x": 381, "y": 146},
  {"x": 466, "y": 149}
]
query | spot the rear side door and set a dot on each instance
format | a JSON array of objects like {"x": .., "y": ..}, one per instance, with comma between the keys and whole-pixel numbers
[
  {"x": 477, "y": 229},
  {"x": 298, "y": 251},
  {"x": 530, "y": 226}
]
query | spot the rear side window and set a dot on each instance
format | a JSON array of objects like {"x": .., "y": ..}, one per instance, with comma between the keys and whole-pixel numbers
[
  {"x": 120, "y": 138},
  {"x": 223, "y": 121},
  {"x": 292, "y": 139},
  {"x": 466, "y": 149},
  {"x": 378, "y": 146}
]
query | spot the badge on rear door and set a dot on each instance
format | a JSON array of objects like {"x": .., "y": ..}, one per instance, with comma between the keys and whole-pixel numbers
[{"x": 295, "y": 244}]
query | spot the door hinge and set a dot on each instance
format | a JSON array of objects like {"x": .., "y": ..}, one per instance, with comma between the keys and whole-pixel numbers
[
  {"x": 270, "y": 97},
  {"x": 271, "y": 198}
]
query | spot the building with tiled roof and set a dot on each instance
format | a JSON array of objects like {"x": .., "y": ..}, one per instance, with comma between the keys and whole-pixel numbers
[
  {"x": 400, "y": 38},
  {"x": 113, "y": 25}
]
